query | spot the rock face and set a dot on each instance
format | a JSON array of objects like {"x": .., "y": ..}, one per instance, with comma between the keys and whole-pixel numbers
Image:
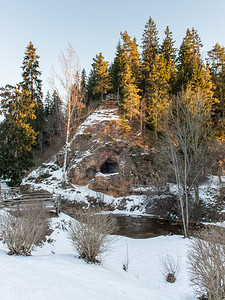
[{"x": 104, "y": 159}]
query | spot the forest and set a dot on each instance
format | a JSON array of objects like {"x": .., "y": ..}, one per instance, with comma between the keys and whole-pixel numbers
[
  {"x": 168, "y": 94},
  {"x": 170, "y": 107}
]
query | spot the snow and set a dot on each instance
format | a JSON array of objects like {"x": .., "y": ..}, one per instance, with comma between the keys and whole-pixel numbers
[
  {"x": 54, "y": 271},
  {"x": 96, "y": 117},
  {"x": 52, "y": 184},
  {"x": 1, "y": 117}
]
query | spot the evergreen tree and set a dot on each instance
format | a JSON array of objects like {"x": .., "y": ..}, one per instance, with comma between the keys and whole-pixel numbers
[
  {"x": 219, "y": 107},
  {"x": 17, "y": 137},
  {"x": 216, "y": 62},
  {"x": 132, "y": 56},
  {"x": 189, "y": 58},
  {"x": 167, "y": 48},
  {"x": 31, "y": 82},
  {"x": 191, "y": 68},
  {"x": 91, "y": 84},
  {"x": 131, "y": 98},
  {"x": 169, "y": 53},
  {"x": 158, "y": 93},
  {"x": 103, "y": 83},
  {"x": 54, "y": 120},
  {"x": 83, "y": 86},
  {"x": 150, "y": 47},
  {"x": 48, "y": 103},
  {"x": 117, "y": 67}
]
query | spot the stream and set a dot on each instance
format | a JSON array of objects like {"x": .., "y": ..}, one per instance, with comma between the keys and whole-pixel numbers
[{"x": 145, "y": 226}]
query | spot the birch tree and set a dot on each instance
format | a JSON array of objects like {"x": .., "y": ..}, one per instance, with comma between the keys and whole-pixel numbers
[{"x": 67, "y": 85}]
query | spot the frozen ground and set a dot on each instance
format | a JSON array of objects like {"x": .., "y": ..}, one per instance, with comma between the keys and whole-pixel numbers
[{"x": 55, "y": 272}]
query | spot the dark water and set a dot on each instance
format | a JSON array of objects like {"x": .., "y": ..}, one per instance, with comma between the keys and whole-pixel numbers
[{"x": 145, "y": 226}]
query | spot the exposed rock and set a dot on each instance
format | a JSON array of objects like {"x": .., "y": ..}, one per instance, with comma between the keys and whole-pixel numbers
[{"x": 104, "y": 159}]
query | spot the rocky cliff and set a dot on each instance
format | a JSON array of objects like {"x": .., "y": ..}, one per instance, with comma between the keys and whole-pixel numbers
[{"x": 103, "y": 158}]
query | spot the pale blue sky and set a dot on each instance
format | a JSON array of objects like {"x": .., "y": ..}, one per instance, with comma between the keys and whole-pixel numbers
[{"x": 93, "y": 26}]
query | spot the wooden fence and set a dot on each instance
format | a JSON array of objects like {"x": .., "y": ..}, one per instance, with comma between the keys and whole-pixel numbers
[{"x": 13, "y": 198}]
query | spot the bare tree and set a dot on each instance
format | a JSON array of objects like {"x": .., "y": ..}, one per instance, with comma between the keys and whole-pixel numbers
[
  {"x": 188, "y": 135},
  {"x": 67, "y": 85}
]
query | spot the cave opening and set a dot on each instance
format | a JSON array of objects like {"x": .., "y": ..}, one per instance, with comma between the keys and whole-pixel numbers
[{"x": 109, "y": 167}]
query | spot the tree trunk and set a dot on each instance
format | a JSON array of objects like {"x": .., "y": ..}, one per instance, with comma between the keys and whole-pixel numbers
[
  {"x": 66, "y": 146},
  {"x": 196, "y": 191}
]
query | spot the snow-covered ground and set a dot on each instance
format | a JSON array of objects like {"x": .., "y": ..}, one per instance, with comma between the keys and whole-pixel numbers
[
  {"x": 54, "y": 271},
  {"x": 98, "y": 116},
  {"x": 77, "y": 193},
  {"x": 135, "y": 204}
]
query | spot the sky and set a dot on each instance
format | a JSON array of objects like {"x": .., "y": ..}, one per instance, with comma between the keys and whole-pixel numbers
[{"x": 94, "y": 26}]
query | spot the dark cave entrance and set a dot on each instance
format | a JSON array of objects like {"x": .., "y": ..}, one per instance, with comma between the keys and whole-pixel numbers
[{"x": 109, "y": 167}]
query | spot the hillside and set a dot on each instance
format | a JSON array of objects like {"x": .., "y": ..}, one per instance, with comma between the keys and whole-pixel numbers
[{"x": 104, "y": 166}]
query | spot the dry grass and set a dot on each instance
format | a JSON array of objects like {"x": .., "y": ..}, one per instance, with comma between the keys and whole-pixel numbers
[
  {"x": 89, "y": 234},
  {"x": 207, "y": 264},
  {"x": 22, "y": 231}
]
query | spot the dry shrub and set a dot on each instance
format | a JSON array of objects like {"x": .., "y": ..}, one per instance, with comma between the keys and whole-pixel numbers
[
  {"x": 170, "y": 268},
  {"x": 89, "y": 234},
  {"x": 126, "y": 259},
  {"x": 207, "y": 263},
  {"x": 23, "y": 230}
]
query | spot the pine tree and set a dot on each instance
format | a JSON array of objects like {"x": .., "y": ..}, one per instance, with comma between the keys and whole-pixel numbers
[
  {"x": 219, "y": 107},
  {"x": 132, "y": 56},
  {"x": 117, "y": 67},
  {"x": 131, "y": 98},
  {"x": 17, "y": 137},
  {"x": 158, "y": 93},
  {"x": 91, "y": 84},
  {"x": 169, "y": 53},
  {"x": 167, "y": 48},
  {"x": 54, "y": 119},
  {"x": 216, "y": 62},
  {"x": 48, "y": 103},
  {"x": 150, "y": 47},
  {"x": 31, "y": 74},
  {"x": 189, "y": 58},
  {"x": 31, "y": 82},
  {"x": 191, "y": 69},
  {"x": 83, "y": 86},
  {"x": 103, "y": 83}
]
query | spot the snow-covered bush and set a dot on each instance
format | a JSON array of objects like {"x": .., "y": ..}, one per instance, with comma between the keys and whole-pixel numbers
[
  {"x": 207, "y": 263},
  {"x": 90, "y": 234},
  {"x": 23, "y": 230}
]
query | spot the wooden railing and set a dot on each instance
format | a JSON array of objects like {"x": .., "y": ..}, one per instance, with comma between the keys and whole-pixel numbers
[{"x": 13, "y": 198}]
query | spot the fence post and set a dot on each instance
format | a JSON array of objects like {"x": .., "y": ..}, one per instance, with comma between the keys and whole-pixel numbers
[{"x": 58, "y": 204}]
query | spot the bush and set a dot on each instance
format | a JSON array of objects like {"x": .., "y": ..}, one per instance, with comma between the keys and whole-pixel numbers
[
  {"x": 22, "y": 231},
  {"x": 89, "y": 234},
  {"x": 170, "y": 268},
  {"x": 207, "y": 263}
]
